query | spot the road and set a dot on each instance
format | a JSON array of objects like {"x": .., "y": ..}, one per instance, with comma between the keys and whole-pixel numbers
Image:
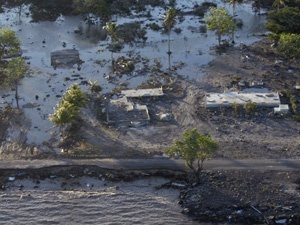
[{"x": 159, "y": 163}]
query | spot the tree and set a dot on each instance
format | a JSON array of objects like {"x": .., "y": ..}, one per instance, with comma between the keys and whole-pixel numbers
[
  {"x": 112, "y": 29},
  {"x": 75, "y": 96},
  {"x": 67, "y": 110},
  {"x": 98, "y": 8},
  {"x": 220, "y": 21},
  {"x": 9, "y": 42},
  {"x": 289, "y": 44},
  {"x": 169, "y": 22},
  {"x": 285, "y": 20},
  {"x": 194, "y": 147},
  {"x": 94, "y": 87},
  {"x": 278, "y": 3},
  {"x": 14, "y": 72},
  {"x": 64, "y": 114},
  {"x": 234, "y": 3}
]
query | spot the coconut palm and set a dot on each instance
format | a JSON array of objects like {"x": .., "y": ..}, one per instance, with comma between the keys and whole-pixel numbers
[
  {"x": 279, "y": 3},
  {"x": 234, "y": 3},
  {"x": 94, "y": 86},
  {"x": 64, "y": 114},
  {"x": 169, "y": 22},
  {"x": 112, "y": 29},
  {"x": 75, "y": 96}
]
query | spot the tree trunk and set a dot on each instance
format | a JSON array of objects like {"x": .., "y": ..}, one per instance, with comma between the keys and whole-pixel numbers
[
  {"x": 169, "y": 51},
  {"x": 17, "y": 94}
]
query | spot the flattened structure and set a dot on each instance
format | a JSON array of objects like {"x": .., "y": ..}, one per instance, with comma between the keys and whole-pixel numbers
[
  {"x": 154, "y": 92},
  {"x": 226, "y": 99},
  {"x": 122, "y": 111}
]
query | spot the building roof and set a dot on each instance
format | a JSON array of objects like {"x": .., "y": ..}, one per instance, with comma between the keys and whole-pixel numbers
[{"x": 268, "y": 99}]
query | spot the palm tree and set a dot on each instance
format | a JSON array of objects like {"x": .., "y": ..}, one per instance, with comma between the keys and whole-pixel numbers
[
  {"x": 94, "y": 87},
  {"x": 169, "y": 22},
  {"x": 75, "y": 96},
  {"x": 64, "y": 114},
  {"x": 112, "y": 29},
  {"x": 234, "y": 3},
  {"x": 278, "y": 3}
]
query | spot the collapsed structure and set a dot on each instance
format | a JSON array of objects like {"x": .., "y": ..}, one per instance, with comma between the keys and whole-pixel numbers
[{"x": 126, "y": 109}]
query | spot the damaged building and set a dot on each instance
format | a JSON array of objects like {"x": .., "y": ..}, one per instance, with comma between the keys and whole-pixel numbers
[{"x": 127, "y": 111}]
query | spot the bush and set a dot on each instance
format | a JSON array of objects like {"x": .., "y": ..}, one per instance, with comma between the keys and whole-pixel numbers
[{"x": 289, "y": 45}]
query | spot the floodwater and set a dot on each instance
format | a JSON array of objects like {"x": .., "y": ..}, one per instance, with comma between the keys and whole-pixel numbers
[
  {"x": 135, "y": 202},
  {"x": 45, "y": 85}
]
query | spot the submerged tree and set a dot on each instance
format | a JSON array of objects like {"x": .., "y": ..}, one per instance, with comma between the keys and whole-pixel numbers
[
  {"x": 169, "y": 22},
  {"x": 194, "y": 148},
  {"x": 220, "y": 21},
  {"x": 14, "y": 72},
  {"x": 93, "y": 9},
  {"x": 112, "y": 30},
  {"x": 234, "y": 3}
]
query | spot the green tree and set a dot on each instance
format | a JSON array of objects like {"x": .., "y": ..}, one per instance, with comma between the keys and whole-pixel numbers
[
  {"x": 194, "y": 148},
  {"x": 169, "y": 22},
  {"x": 112, "y": 30},
  {"x": 279, "y": 3},
  {"x": 14, "y": 72},
  {"x": 9, "y": 42},
  {"x": 289, "y": 44},
  {"x": 75, "y": 96},
  {"x": 98, "y": 8},
  {"x": 285, "y": 20},
  {"x": 64, "y": 114},
  {"x": 68, "y": 109},
  {"x": 220, "y": 21}
]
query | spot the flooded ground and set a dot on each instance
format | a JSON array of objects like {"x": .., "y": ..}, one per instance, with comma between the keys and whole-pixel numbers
[{"x": 44, "y": 85}]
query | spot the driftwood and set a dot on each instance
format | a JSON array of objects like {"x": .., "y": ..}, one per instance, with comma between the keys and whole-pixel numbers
[{"x": 259, "y": 212}]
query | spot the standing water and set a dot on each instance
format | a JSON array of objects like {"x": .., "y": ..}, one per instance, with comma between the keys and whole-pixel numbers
[{"x": 132, "y": 203}]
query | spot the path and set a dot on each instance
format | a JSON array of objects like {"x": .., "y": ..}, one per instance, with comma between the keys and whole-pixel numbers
[{"x": 158, "y": 163}]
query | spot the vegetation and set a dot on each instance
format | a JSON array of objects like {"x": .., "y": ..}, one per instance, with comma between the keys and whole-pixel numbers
[
  {"x": 93, "y": 9},
  {"x": 169, "y": 22},
  {"x": 9, "y": 42},
  {"x": 68, "y": 109},
  {"x": 234, "y": 3},
  {"x": 285, "y": 20},
  {"x": 250, "y": 107},
  {"x": 94, "y": 87},
  {"x": 14, "y": 72},
  {"x": 194, "y": 148},
  {"x": 289, "y": 44},
  {"x": 220, "y": 21},
  {"x": 112, "y": 29}
]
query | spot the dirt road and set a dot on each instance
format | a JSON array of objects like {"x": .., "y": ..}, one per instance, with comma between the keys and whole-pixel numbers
[{"x": 159, "y": 163}]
